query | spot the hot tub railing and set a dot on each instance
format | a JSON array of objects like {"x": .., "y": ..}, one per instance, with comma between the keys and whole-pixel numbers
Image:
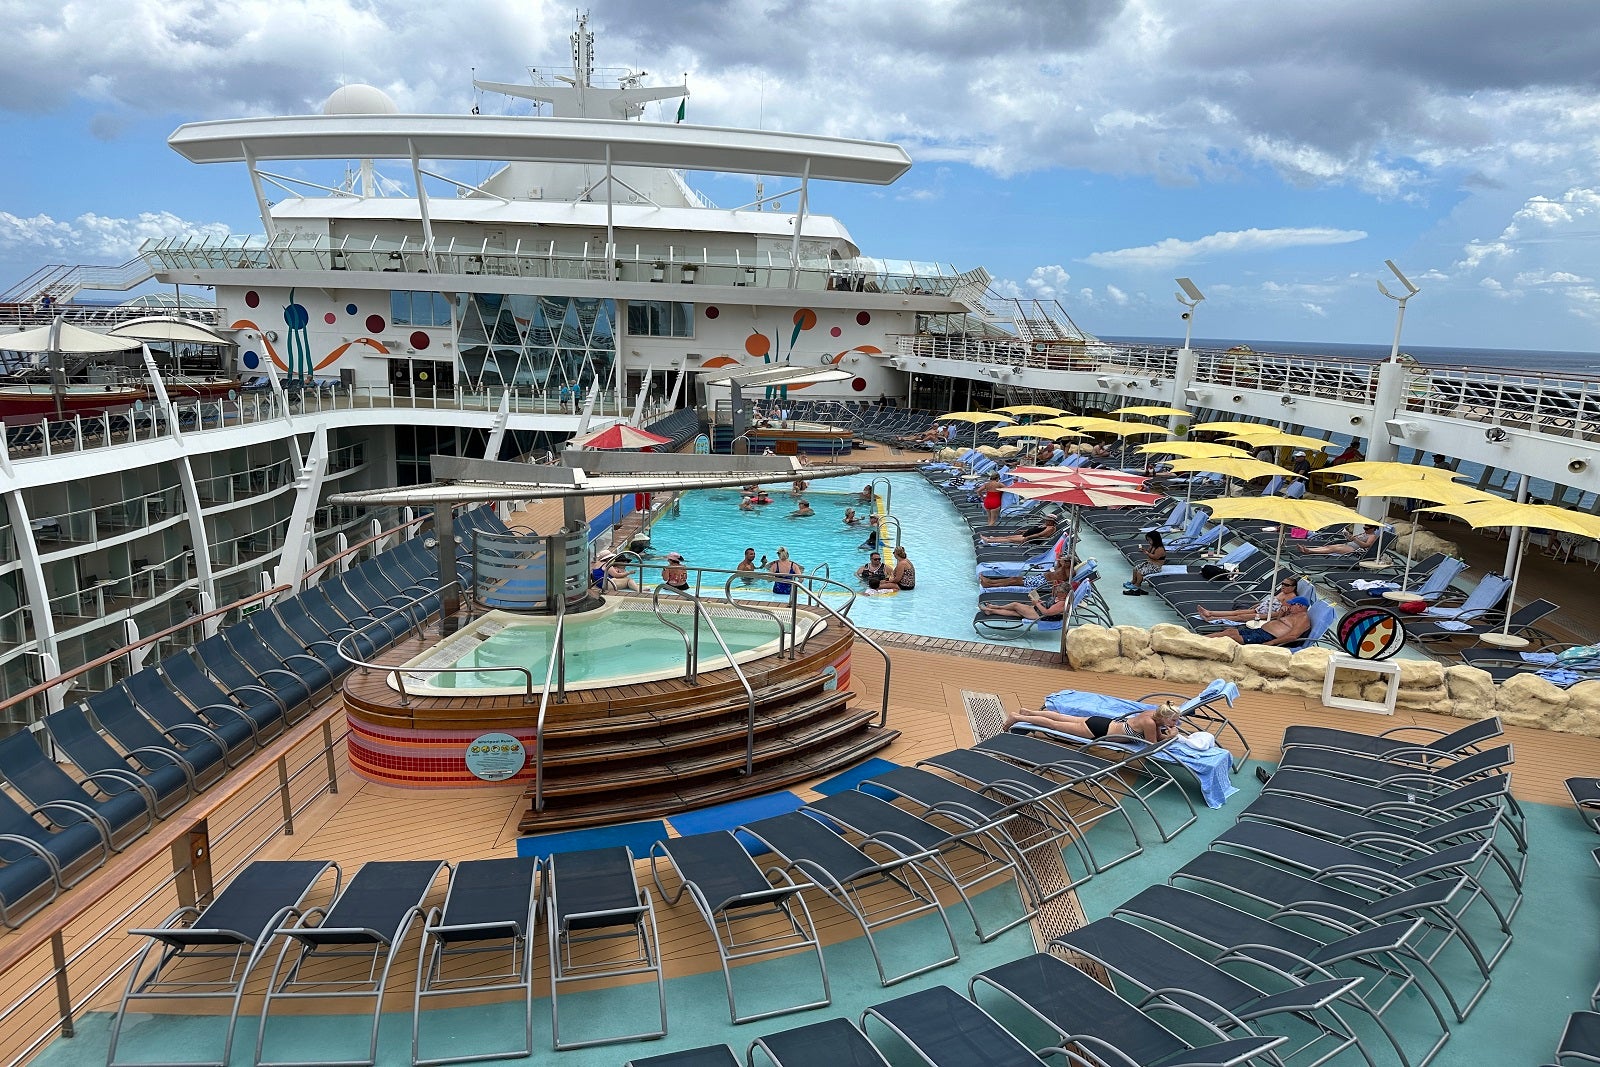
[
  {"x": 817, "y": 602},
  {"x": 692, "y": 660},
  {"x": 399, "y": 674},
  {"x": 556, "y": 669}
]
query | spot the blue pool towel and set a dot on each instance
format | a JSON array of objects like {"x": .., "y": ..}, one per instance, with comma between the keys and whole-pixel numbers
[
  {"x": 1562, "y": 677},
  {"x": 735, "y": 813},
  {"x": 854, "y": 776},
  {"x": 638, "y": 836},
  {"x": 1079, "y": 702},
  {"x": 1213, "y": 769}
]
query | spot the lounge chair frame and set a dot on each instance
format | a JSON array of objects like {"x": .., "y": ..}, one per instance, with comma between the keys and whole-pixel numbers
[
  {"x": 492, "y": 908},
  {"x": 728, "y": 888},
  {"x": 217, "y": 932},
  {"x": 330, "y": 943},
  {"x": 622, "y": 911}
]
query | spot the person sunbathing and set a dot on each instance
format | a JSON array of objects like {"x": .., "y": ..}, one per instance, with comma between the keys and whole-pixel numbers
[
  {"x": 1362, "y": 541},
  {"x": 1044, "y": 530},
  {"x": 1152, "y": 726},
  {"x": 1033, "y": 609},
  {"x": 1289, "y": 627},
  {"x": 1270, "y": 605},
  {"x": 1033, "y": 578}
]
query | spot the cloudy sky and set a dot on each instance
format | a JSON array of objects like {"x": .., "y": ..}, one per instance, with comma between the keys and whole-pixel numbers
[{"x": 1086, "y": 151}]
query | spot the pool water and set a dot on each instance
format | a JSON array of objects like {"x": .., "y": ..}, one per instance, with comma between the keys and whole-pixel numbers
[
  {"x": 710, "y": 530},
  {"x": 622, "y": 643}
]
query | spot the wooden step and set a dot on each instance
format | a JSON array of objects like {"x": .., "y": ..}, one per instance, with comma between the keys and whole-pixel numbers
[
  {"x": 665, "y": 800},
  {"x": 685, "y": 755}
]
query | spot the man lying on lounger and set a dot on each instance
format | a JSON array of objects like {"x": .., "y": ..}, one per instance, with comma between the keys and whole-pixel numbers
[{"x": 1291, "y": 626}]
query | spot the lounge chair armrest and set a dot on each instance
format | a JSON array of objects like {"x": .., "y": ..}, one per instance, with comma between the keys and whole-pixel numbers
[
  {"x": 1309, "y": 997},
  {"x": 264, "y": 691},
  {"x": 314, "y": 661},
  {"x": 217, "y": 714},
  {"x": 169, "y": 758},
  {"x": 142, "y": 787},
  {"x": 38, "y": 850},
  {"x": 176, "y": 729},
  {"x": 84, "y": 813}
]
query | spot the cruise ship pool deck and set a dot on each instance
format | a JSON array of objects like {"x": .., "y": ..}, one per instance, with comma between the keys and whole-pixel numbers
[{"x": 946, "y": 689}]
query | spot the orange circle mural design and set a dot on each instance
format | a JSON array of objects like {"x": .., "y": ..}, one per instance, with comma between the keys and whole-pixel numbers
[
  {"x": 757, "y": 345},
  {"x": 805, "y": 318}
]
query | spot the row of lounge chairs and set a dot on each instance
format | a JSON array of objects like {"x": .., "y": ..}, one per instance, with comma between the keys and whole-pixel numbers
[
  {"x": 159, "y": 737},
  {"x": 1580, "y": 1038}
]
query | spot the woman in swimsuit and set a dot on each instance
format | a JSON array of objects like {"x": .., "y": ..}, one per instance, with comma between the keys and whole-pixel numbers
[
  {"x": 905, "y": 572},
  {"x": 781, "y": 567},
  {"x": 992, "y": 490},
  {"x": 1152, "y": 726},
  {"x": 675, "y": 573},
  {"x": 1033, "y": 578}
]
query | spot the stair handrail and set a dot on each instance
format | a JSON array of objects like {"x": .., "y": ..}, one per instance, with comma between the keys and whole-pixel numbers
[
  {"x": 558, "y": 656},
  {"x": 888, "y": 665},
  {"x": 699, "y": 610}
]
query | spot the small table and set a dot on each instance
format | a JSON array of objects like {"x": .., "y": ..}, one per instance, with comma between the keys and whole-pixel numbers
[
  {"x": 1400, "y": 594},
  {"x": 1497, "y": 639},
  {"x": 1386, "y": 668},
  {"x": 1373, "y": 565}
]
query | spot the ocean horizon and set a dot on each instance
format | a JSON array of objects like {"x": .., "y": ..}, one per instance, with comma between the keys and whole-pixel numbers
[{"x": 1520, "y": 360}]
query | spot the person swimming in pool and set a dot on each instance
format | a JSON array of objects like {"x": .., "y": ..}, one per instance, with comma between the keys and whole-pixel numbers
[{"x": 783, "y": 570}]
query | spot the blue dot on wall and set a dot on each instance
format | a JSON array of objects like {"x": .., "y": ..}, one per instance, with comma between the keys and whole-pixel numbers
[
  {"x": 250, "y": 360},
  {"x": 349, "y": 309},
  {"x": 296, "y": 316}
]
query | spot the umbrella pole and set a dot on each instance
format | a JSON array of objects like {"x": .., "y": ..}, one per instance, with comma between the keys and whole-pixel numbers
[
  {"x": 1516, "y": 575},
  {"x": 1277, "y": 560},
  {"x": 1411, "y": 544}
]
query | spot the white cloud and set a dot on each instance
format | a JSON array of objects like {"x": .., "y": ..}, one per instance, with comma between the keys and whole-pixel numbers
[
  {"x": 1116, "y": 296},
  {"x": 1316, "y": 309},
  {"x": 1172, "y": 251},
  {"x": 92, "y": 238}
]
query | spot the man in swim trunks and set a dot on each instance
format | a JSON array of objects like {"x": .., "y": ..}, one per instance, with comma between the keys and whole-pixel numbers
[
  {"x": 1043, "y": 530},
  {"x": 1292, "y": 625}
]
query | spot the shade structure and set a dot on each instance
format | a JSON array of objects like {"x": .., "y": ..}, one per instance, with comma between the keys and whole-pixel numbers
[
  {"x": 1306, "y": 514},
  {"x": 617, "y": 436},
  {"x": 1121, "y": 429},
  {"x": 1233, "y": 467},
  {"x": 977, "y": 418},
  {"x": 1153, "y": 411},
  {"x": 1191, "y": 449},
  {"x": 1417, "y": 483},
  {"x": 1496, "y": 511},
  {"x": 1077, "y": 476},
  {"x": 1038, "y": 430},
  {"x": 1088, "y": 496},
  {"x": 1235, "y": 427},
  {"x": 64, "y": 337},
  {"x": 1276, "y": 439},
  {"x": 1016, "y": 410},
  {"x": 1368, "y": 468}
]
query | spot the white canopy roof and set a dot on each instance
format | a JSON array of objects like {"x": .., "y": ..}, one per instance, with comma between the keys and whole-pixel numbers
[
  {"x": 64, "y": 337},
  {"x": 537, "y": 139},
  {"x": 166, "y": 328},
  {"x": 780, "y": 374}
]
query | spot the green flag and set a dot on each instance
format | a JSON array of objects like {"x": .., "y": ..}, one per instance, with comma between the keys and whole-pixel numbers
[{"x": 681, "y": 105}]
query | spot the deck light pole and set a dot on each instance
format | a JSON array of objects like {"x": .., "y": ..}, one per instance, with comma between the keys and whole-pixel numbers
[
  {"x": 1400, "y": 301},
  {"x": 1189, "y": 298}
]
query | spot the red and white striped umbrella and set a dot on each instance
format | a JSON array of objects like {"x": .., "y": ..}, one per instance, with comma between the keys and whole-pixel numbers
[
  {"x": 1096, "y": 476},
  {"x": 617, "y": 436}
]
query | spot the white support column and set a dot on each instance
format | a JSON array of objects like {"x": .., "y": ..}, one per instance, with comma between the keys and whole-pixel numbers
[
  {"x": 1182, "y": 377},
  {"x": 261, "y": 196},
  {"x": 422, "y": 202},
  {"x": 298, "y": 539},
  {"x": 1388, "y": 403},
  {"x": 497, "y": 433},
  {"x": 677, "y": 387},
  {"x": 799, "y": 221},
  {"x": 638, "y": 403},
  {"x": 199, "y": 543},
  {"x": 611, "y": 232},
  {"x": 136, "y": 658},
  {"x": 33, "y": 580}
]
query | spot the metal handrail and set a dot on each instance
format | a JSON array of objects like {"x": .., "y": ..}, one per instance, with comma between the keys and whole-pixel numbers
[
  {"x": 699, "y": 609},
  {"x": 898, "y": 532},
  {"x": 558, "y": 656},
  {"x": 417, "y": 624},
  {"x": 888, "y": 665},
  {"x": 888, "y": 494}
]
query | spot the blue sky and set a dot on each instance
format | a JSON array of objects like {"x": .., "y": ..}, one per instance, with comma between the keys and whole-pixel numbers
[{"x": 1086, "y": 152}]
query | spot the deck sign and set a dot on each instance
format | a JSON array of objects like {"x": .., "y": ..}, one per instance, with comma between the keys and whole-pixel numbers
[{"x": 495, "y": 757}]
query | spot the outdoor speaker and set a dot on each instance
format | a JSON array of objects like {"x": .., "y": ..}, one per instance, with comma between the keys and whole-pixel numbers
[{"x": 1577, "y": 465}]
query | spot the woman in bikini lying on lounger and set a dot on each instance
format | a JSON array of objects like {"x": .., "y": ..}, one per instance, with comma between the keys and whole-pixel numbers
[{"x": 1152, "y": 726}]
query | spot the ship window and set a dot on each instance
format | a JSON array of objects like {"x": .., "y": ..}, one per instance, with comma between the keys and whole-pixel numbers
[
  {"x": 660, "y": 318},
  {"x": 419, "y": 309}
]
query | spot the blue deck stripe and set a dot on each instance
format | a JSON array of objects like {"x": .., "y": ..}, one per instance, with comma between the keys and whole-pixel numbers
[{"x": 638, "y": 836}]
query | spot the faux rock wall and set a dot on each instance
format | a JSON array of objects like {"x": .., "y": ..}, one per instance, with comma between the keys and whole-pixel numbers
[{"x": 1170, "y": 653}]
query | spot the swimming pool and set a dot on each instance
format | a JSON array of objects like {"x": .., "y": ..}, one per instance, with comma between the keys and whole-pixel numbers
[
  {"x": 710, "y": 530},
  {"x": 619, "y": 644}
]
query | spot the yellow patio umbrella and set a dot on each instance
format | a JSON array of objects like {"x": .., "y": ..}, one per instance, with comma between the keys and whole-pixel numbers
[
  {"x": 1069, "y": 421},
  {"x": 1032, "y": 409},
  {"x": 1039, "y": 430},
  {"x": 1276, "y": 439},
  {"x": 1190, "y": 449},
  {"x": 977, "y": 418},
  {"x": 1497, "y": 511},
  {"x": 1153, "y": 411},
  {"x": 1285, "y": 512},
  {"x": 1235, "y": 428},
  {"x": 1121, "y": 429},
  {"x": 1418, "y": 483},
  {"x": 1232, "y": 467},
  {"x": 1368, "y": 468}
]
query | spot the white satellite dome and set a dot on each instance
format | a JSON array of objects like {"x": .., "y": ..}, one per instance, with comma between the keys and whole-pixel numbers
[{"x": 359, "y": 100}]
